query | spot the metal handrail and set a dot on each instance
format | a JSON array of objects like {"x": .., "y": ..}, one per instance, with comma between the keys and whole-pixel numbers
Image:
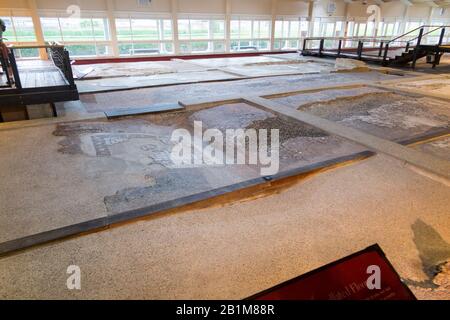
[
  {"x": 37, "y": 46},
  {"x": 344, "y": 38},
  {"x": 427, "y": 33},
  {"x": 418, "y": 28}
]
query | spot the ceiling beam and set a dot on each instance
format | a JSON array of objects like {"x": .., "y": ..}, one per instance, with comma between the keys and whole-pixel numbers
[{"x": 433, "y": 4}]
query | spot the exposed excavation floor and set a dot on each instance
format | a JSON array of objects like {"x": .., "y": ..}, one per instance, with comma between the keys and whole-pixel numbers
[
  {"x": 223, "y": 231},
  {"x": 234, "y": 251},
  {"x": 172, "y": 94}
]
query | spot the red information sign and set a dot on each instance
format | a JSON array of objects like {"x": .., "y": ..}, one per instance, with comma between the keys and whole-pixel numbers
[{"x": 365, "y": 275}]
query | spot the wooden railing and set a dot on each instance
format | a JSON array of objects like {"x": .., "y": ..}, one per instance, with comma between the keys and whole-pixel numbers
[{"x": 57, "y": 53}]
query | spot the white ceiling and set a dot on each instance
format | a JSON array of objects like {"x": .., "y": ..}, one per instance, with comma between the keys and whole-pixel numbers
[{"x": 433, "y": 3}]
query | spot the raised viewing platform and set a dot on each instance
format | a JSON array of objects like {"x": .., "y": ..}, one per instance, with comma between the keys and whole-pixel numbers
[{"x": 37, "y": 81}]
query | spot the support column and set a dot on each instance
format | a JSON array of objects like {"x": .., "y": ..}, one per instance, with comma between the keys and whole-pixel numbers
[
  {"x": 227, "y": 25},
  {"x": 174, "y": 9},
  {"x": 112, "y": 27},
  {"x": 346, "y": 20},
  {"x": 272, "y": 28},
  {"x": 405, "y": 18},
  {"x": 310, "y": 18},
  {"x": 37, "y": 28},
  {"x": 430, "y": 16}
]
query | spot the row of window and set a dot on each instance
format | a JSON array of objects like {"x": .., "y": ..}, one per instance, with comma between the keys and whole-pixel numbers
[{"x": 91, "y": 36}]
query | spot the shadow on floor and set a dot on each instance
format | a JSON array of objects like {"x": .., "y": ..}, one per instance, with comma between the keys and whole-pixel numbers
[{"x": 434, "y": 251}]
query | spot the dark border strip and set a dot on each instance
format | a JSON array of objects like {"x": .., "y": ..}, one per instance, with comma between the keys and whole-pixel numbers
[
  {"x": 430, "y": 134},
  {"x": 156, "y": 108},
  {"x": 98, "y": 223}
]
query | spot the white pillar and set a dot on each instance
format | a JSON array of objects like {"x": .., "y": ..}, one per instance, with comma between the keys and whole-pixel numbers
[
  {"x": 346, "y": 15},
  {"x": 310, "y": 18},
  {"x": 37, "y": 28},
  {"x": 430, "y": 16},
  {"x": 227, "y": 25},
  {"x": 112, "y": 27},
  {"x": 405, "y": 19},
  {"x": 272, "y": 28},
  {"x": 174, "y": 9}
]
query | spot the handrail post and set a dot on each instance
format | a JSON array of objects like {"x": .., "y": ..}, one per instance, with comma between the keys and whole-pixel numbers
[
  {"x": 386, "y": 49},
  {"x": 68, "y": 68},
  {"x": 304, "y": 44},
  {"x": 441, "y": 37},
  {"x": 360, "y": 47},
  {"x": 321, "y": 46},
  {"x": 407, "y": 47},
  {"x": 15, "y": 70},
  {"x": 339, "y": 48},
  {"x": 4, "y": 63},
  {"x": 416, "y": 49},
  {"x": 437, "y": 56},
  {"x": 381, "y": 48}
]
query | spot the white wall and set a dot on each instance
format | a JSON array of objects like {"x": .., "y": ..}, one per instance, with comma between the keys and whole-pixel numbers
[
  {"x": 292, "y": 7},
  {"x": 63, "y": 4},
  {"x": 132, "y": 5},
  {"x": 419, "y": 12},
  {"x": 393, "y": 9},
  {"x": 201, "y": 6},
  {"x": 247, "y": 7},
  {"x": 258, "y": 7}
]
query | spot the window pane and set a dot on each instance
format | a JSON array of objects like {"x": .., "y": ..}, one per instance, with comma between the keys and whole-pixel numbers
[
  {"x": 370, "y": 29},
  {"x": 81, "y": 50},
  {"x": 218, "y": 29},
  {"x": 262, "y": 44},
  {"x": 219, "y": 46},
  {"x": 100, "y": 27},
  {"x": 125, "y": 49},
  {"x": 285, "y": 29},
  {"x": 234, "y": 29},
  {"x": 316, "y": 29},
  {"x": 362, "y": 29},
  {"x": 104, "y": 50},
  {"x": 167, "y": 48},
  {"x": 328, "y": 29},
  {"x": 245, "y": 31},
  {"x": 26, "y": 53},
  {"x": 24, "y": 29},
  {"x": 200, "y": 29},
  {"x": 380, "y": 29},
  {"x": 339, "y": 29},
  {"x": 50, "y": 28},
  {"x": 264, "y": 29},
  {"x": 76, "y": 29},
  {"x": 199, "y": 46},
  {"x": 167, "y": 29},
  {"x": 9, "y": 33},
  {"x": 351, "y": 27},
  {"x": 184, "y": 48},
  {"x": 293, "y": 31},
  {"x": 144, "y": 29},
  {"x": 183, "y": 29},
  {"x": 145, "y": 49},
  {"x": 304, "y": 26},
  {"x": 123, "y": 29},
  {"x": 278, "y": 29},
  {"x": 389, "y": 29}
]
